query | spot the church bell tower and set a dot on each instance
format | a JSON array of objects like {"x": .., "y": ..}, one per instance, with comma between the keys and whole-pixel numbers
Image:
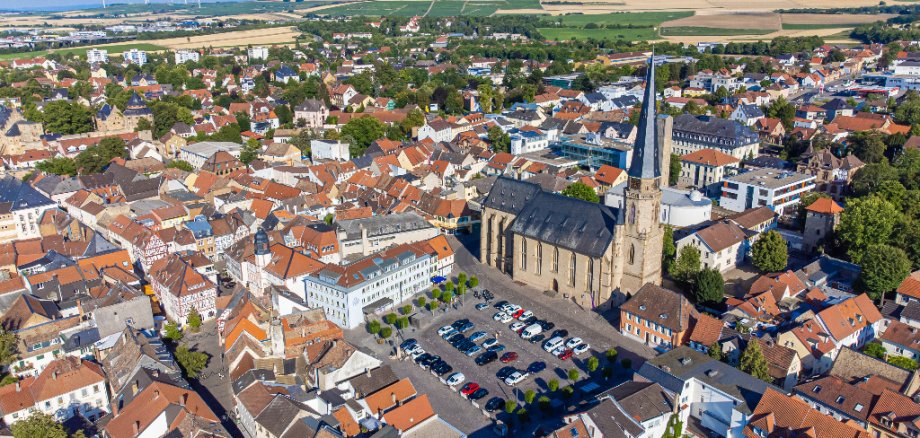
[{"x": 642, "y": 229}]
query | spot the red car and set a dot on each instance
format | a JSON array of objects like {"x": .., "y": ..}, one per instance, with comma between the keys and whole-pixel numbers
[
  {"x": 469, "y": 388},
  {"x": 517, "y": 314},
  {"x": 566, "y": 354},
  {"x": 509, "y": 357}
]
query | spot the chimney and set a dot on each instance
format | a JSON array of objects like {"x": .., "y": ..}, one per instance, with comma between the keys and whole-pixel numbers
[
  {"x": 184, "y": 399},
  {"x": 156, "y": 394},
  {"x": 134, "y": 387},
  {"x": 18, "y": 386},
  {"x": 393, "y": 397},
  {"x": 367, "y": 371},
  {"x": 136, "y": 427},
  {"x": 54, "y": 375}
]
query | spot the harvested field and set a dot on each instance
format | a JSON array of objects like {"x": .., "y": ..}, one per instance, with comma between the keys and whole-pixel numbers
[
  {"x": 750, "y": 20},
  {"x": 833, "y": 35},
  {"x": 710, "y": 31},
  {"x": 839, "y": 19},
  {"x": 567, "y": 33},
  {"x": 277, "y": 35}
]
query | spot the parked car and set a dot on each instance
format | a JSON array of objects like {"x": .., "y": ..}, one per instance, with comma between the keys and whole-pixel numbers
[
  {"x": 565, "y": 355},
  {"x": 477, "y": 336},
  {"x": 497, "y": 348},
  {"x": 480, "y": 393},
  {"x": 506, "y": 318},
  {"x": 482, "y": 306},
  {"x": 503, "y": 373},
  {"x": 498, "y": 316},
  {"x": 581, "y": 349},
  {"x": 466, "y": 327},
  {"x": 500, "y": 304},
  {"x": 472, "y": 350},
  {"x": 408, "y": 343},
  {"x": 449, "y": 335},
  {"x": 412, "y": 349},
  {"x": 517, "y": 326},
  {"x": 454, "y": 337},
  {"x": 515, "y": 378},
  {"x": 513, "y": 308},
  {"x": 517, "y": 313},
  {"x": 489, "y": 342},
  {"x": 469, "y": 388},
  {"x": 525, "y": 315},
  {"x": 455, "y": 379},
  {"x": 444, "y": 330},
  {"x": 486, "y": 358},
  {"x": 561, "y": 333},
  {"x": 553, "y": 343},
  {"x": 574, "y": 342},
  {"x": 422, "y": 358},
  {"x": 536, "y": 367},
  {"x": 459, "y": 323},
  {"x": 495, "y": 404},
  {"x": 537, "y": 339},
  {"x": 547, "y": 326},
  {"x": 416, "y": 353},
  {"x": 531, "y": 331},
  {"x": 558, "y": 350},
  {"x": 443, "y": 369},
  {"x": 509, "y": 357}
]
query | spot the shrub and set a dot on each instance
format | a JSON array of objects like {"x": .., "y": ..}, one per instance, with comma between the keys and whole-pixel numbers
[
  {"x": 573, "y": 374},
  {"x": 474, "y": 281},
  {"x": 402, "y": 323},
  {"x": 529, "y": 396},
  {"x": 510, "y": 406},
  {"x": 446, "y": 297},
  {"x": 432, "y": 305},
  {"x": 435, "y": 294},
  {"x": 544, "y": 403},
  {"x": 422, "y": 301},
  {"x": 592, "y": 364},
  {"x": 568, "y": 391}
]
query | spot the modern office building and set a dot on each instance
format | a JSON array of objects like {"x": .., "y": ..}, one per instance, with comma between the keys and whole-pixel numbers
[{"x": 765, "y": 187}]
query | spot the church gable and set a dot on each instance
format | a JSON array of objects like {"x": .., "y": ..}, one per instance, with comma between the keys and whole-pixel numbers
[{"x": 583, "y": 227}]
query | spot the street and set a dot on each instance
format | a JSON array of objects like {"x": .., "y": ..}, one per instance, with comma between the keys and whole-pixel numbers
[{"x": 213, "y": 383}]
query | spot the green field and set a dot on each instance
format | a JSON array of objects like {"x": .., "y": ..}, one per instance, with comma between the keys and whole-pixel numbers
[
  {"x": 795, "y": 26},
  {"x": 567, "y": 33},
  {"x": 441, "y": 8},
  {"x": 624, "y": 18},
  {"x": 114, "y": 49},
  {"x": 384, "y": 8},
  {"x": 710, "y": 31},
  {"x": 207, "y": 9}
]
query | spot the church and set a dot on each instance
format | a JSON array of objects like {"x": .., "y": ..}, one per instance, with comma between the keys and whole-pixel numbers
[{"x": 593, "y": 254}]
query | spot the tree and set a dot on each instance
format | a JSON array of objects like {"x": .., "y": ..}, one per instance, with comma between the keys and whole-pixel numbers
[
  {"x": 38, "y": 425},
  {"x": 9, "y": 351},
  {"x": 884, "y": 267},
  {"x": 58, "y": 166},
  {"x": 675, "y": 428},
  {"x": 709, "y": 287},
  {"x": 433, "y": 305},
  {"x": 715, "y": 351},
  {"x": 552, "y": 385},
  {"x": 568, "y": 392},
  {"x": 446, "y": 297},
  {"x": 753, "y": 362},
  {"x": 194, "y": 319},
  {"x": 592, "y": 364},
  {"x": 687, "y": 264},
  {"x": 510, "y": 406},
  {"x": 143, "y": 125},
  {"x": 421, "y": 301},
  {"x": 65, "y": 118},
  {"x": 390, "y": 318},
  {"x": 250, "y": 151},
  {"x": 529, "y": 396},
  {"x": 407, "y": 309},
  {"x": 173, "y": 333},
  {"x": 329, "y": 219},
  {"x": 474, "y": 281},
  {"x": 500, "y": 140},
  {"x": 668, "y": 250},
  {"x": 192, "y": 362},
  {"x": 166, "y": 114},
  {"x": 544, "y": 403},
  {"x": 611, "y": 355},
  {"x": 362, "y": 131},
  {"x": 875, "y": 349},
  {"x": 674, "y": 170},
  {"x": 96, "y": 158},
  {"x": 461, "y": 278},
  {"x": 386, "y": 332},
  {"x": 868, "y": 180},
  {"x": 181, "y": 165},
  {"x": 454, "y": 102},
  {"x": 580, "y": 190},
  {"x": 402, "y": 323},
  {"x": 783, "y": 110},
  {"x": 436, "y": 294},
  {"x": 903, "y": 362},
  {"x": 868, "y": 146},
  {"x": 865, "y": 222},
  {"x": 373, "y": 327},
  {"x": 573, "y": 374},
  {"x": 770, "y": 253}
]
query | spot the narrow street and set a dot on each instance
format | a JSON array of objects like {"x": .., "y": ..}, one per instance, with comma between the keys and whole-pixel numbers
[{"x": 213, "y": 383}]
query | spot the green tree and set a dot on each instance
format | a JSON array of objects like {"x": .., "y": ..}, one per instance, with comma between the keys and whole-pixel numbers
[
  {"x": 166, "y": 114},
  {"x": 552, "y": 385},
  {"x": 783, "y": 110},
  {"x": 611, "y": 355},
  {"x": 9, "y": 351},
  {"x": 529, "y": 396},
  {"x": 194, "y": 319},
  {"x": 421, "y": 301},
  {"x": 687, "y": 264},
  {"x": 770, "y": 253},
  {"x": 461, "y": 278},
  {"x": 753, "y": 362},
  {"x": 580, "y": 190},
  {"x": 446, "y": 297},
  {"x": 229, "y": 133},
  {"x": 362, "y": 131},
  {"x": 592, "y": 364},
  {"x": 402, "y": 323},
  {"x": 510, "y": 406},
  {"x": 251, "y": 151},
  {"x": 875, "y": 349},
  {"x": 373, "y": 327},
  {"x": 544, "y": 403},
  {"x": 474, "y": 281},
  {"x": 903, "y": 362},
  {"x": 865, "y": 222},
  {"x": 868, "y": 146},
  {"x": 674, "y": 170},
  {"x": 453, "y": 104},
  {"x": 883, "y": 269},
  {"x": 433, "y": 305},
  {"x": 709, "y": 287},
  {"x": 715, "y": 351},
  {"x": 58, "y": 166},
  {"x": 181, "y": 165},
  {"x": 173, "y": 333},
  {"x": 868, "y": 180},
  {"x": 668, "y": 250},
  {"x": 38, "y": 425},
  {"x": 500, "y": 140},
  {"x": 675, "y": 428},
  {"x": 573, "y": 374},
  {"x": 192, "y": 362},
  {"x": 407, "y": 309},
  {"x": 96, "y": 158},
  {"x": 143, "y": 125},
  {"x": 65, "y": 118},
  {"x": 386, "y": 332},
  {"x": 390, "y": 318}
]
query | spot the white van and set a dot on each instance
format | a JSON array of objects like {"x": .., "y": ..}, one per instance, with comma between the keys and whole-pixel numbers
[
  {"x": 531, "y": 331},
  {"x": 553, "y": 343}
]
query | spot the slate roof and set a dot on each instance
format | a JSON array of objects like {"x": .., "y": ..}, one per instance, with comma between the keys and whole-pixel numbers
[
  {"x": 646, "y": 158},
  {"x": 16, "y": 195},
  {"x": 714, "y": 131},
  {"x": 510, "y": 195}
]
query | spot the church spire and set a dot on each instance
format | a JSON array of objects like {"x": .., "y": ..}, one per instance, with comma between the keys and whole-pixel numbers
[{"x": 646, "y": 159}]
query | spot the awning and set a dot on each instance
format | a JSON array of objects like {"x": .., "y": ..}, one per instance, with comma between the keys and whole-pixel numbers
[{"x": 377, "y": 306}]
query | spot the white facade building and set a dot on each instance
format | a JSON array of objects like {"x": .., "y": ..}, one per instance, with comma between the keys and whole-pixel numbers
[
  {"x": 329, "y": 150},
  {"x": 776, "y": 189},
  {"x": 183, "y": 56},
  {"x": 679, "y": 208},
  {"x": 66, "y": 388},
  {"x": 197, "y": 153},
  {"x": 97, "y": 56},
  {"x": 134, "y": 56},
  {"x": 523, "y": 142},
  {"x": 257, "y": 52}
]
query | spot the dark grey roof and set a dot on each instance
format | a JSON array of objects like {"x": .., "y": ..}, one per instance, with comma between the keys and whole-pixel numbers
[
  {"x": 20, "y": 195},
  {"x": 142, "y": 189},
  {"x": 911, "y": 310},
  {"x": 251, "y": 376},
  {"x": 625, "y": 101},
  {"x": 646, "y": 158},
  {"x": 374, "y": 380},
  {"x": 836, "y": 105},
  {"x": 581, "y": 226},
  {"x": 279, "y": 414},
  {"x": 510, "y": 195},
  {"x": 310, "y": 105},
  {"x": 672, "y": 369},
  {"x": 612, "y": 421},
  {"x": 643, "y": 400},
  {"x": 713, "y": 131}
]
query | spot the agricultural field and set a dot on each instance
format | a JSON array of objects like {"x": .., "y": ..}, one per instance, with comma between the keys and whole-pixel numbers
[
  {"x": 113, "y": 49},
  {"x": 567, "y": 33},
  {"x": 274, "y": 35},
  {"x": 623, "y": 18},
  {"x": 440, "y": 8},
  {"x": 710, "y": 31},
  {"x": 380, "y": 8}
]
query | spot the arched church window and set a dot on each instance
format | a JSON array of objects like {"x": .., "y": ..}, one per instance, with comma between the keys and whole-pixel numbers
[
  {"x": 572, "y": 270},
  {"x": 523, "y": 255},
  {"x": 539, "y": 266},
  {"x": 555, "y": 259}
]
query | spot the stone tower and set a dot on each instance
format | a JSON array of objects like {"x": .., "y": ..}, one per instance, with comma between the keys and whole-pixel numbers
[
  {"x": 821, "y": 218},
  {"x": 642, "y": 230}
]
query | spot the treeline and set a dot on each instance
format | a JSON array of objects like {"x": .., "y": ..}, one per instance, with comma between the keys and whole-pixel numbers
[
  {"x": 880, "y": 9},
  {"x": 776, "y": 46},
  {"x": 482, "y": 26},
  {"x": 883, "y": 33}
]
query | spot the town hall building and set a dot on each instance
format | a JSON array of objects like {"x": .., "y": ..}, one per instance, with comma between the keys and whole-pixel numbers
[{"x": 593, "y": 254}]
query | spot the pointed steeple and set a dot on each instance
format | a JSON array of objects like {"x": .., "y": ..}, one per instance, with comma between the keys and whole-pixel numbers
[{"x": 646, "y": 159}]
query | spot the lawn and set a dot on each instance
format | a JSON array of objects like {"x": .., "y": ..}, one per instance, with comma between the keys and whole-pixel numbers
[
  {"x": 567, "y": 33},
  {"x": 113, "y": 50},
  {"x": 624, "y": 18},
  {"x": 710, "y": 31}
]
